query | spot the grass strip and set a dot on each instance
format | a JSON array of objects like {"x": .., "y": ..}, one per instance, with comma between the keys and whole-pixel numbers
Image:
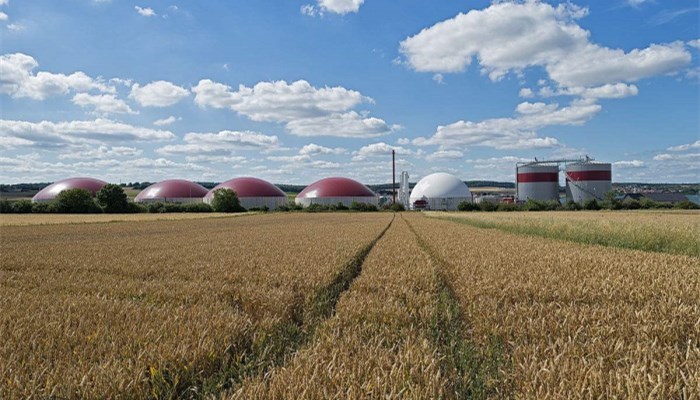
[
  {"x": 262, "y": 349},
  {"x": 476, "y": 368},
  {"x": 569, "y": 232}
]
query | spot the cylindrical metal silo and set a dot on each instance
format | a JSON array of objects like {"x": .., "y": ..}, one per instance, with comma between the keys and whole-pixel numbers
[
  {"x": 588, "y": 180},
  {"x": 537, "y": 182}
]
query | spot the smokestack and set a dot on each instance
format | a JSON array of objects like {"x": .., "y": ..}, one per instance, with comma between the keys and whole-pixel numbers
[{"x": 393, "y": 175}]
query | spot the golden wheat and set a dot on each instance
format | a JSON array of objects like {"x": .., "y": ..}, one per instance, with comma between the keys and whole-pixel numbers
[
  {"x": 378, "y": 343},
  {"x": 118, "y": 310},
  {"x": 674, "y": 231},
  {"x": 53, "y": 219},
  {"x": 243, "y": 308},
  {"x": 572, "y": 320}
]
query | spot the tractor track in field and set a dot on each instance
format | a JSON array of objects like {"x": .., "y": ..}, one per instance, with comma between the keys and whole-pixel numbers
[
  {"x": 258, "y": 354},
  {"x": 474, "y": 366}
]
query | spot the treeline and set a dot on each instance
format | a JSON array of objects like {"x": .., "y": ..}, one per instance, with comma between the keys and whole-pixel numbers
[{"x": 553, "y": 205}]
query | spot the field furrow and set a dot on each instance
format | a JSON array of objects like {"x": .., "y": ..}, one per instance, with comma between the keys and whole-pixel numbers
[
  {"x": 177, "y": 308},
  {"x": 381, "y": 341},
  {"x": 573, "y": 320}
]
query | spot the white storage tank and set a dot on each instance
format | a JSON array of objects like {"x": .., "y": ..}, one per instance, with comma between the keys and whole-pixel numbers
[
  {"x": 588, "y": 180},
  {"x": 439, "y": 191},
  {"x": 537, "y": 182}
]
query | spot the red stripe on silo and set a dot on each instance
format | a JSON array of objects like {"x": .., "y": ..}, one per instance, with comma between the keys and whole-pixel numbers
[
  {"x": 589, "y": 175},
  {"x": 528, "y": 177}
]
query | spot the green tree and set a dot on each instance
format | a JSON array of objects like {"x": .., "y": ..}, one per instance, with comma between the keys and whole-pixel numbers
[
  {"x": 76, "y": 201},
  {"x": 22, "y": 207},
  {"x": 591, "y": 204},
  {"x": 112, "y": 199},
  {"x": 226, "y": 200}
]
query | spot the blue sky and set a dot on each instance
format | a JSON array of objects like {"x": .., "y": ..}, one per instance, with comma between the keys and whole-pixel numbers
[{"x": 294, "y": 91}]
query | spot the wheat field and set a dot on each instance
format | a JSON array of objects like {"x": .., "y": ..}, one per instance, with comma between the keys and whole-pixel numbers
[
  {"x": 676, "y": 232},
  {"x": 58, "y": 219},
  {"x": 345, "y": 305}
]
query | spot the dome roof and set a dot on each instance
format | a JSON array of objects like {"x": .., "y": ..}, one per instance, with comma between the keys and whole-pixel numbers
[
  {"x": 336, "y": 187},
  {"x": 50, "y": 192},
  {"x": 249, "y": 187},
  {"x": 172, "y": 189},
  {"x": 440, "y": 185}
]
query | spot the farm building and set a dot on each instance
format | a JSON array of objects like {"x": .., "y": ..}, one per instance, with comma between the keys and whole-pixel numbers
[
  {"x": 331, "y": 191},
  {"x": 172, "y": 191},
  {"x": 50, "y": 192},
  {"x": 439, "y": 191},
  {"x": 252, "y": 192}
]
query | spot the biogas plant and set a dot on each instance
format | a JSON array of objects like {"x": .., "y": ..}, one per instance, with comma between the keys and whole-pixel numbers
[{"x": 584, "y": 179}]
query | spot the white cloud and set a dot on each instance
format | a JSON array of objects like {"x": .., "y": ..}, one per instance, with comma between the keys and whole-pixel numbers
[
  {"x": 332, "y": 6},
  {"x": 4, "y": 2},
  {"x": 310, "y": 10},
  {"x": 120, "y": 81},
  {"x": 340, "y": 6},
  {"x": 10, "y": 142},
  {"x": 512, "y": 133},
  {"x": 379, "y": 149},
  {"x": 636, "y": 3},
  {"x": 166, "y": 121},
  {"x": 54, "y": 134},
  {"x": 145, "y": 11},
  {"x": 305, "y": 109},
  {"x": 527, "y": 108},
  {"x": 16, "y": 27},
  {"x": 684, "y": 147},
  {"x": 607, "y": 91},
  {"x": 102, "y": 152},
  {"x": 509, "y": 37},
  {"x": 444, "y": 155},
  {"x": 351, "y": 125},
  {"x": 158, "y": 94},
  {"x": 629, "y": 164},
  {"x": 277, "y": 101},
  {"x": 18, "y": 80},
  {"x": 526, "y": 93},
  {"x": 694, "y": 43},
  {"x": 439, "y": 78},
  {"x": 314, "y": 149},
  {"x": 403, "y": 141},
  {"x": 676, "y": 157},
  {"x": 103, "y": 104},
  {"x": 3, "y": 16},
  {"x": 220, "y": 143}
]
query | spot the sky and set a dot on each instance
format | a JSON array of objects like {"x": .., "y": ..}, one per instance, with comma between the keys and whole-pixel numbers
[{"x": 294, "y": 91}]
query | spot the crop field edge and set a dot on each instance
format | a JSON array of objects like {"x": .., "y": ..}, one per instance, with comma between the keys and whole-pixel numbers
[{"x": 536, "y": 232}]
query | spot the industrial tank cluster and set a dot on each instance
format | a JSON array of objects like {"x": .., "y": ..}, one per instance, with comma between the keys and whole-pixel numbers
[
  {"x": 585, "y": 179},
  {"x": 538, "y": 180}
]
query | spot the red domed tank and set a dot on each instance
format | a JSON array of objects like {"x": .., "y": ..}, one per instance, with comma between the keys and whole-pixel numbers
[
  {"x": 172, "y": 191},
  {"x": 50, "y": 192},
  {"x": 336, "y": 190},
  {"x": 252, "y": 192}
]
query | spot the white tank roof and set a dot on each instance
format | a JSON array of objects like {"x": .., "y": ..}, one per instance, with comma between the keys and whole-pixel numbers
[{"x": 440, "y": 185}]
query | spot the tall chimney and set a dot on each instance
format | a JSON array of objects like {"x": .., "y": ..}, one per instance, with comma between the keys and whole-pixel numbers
[{"x": 393, "y": 175}]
